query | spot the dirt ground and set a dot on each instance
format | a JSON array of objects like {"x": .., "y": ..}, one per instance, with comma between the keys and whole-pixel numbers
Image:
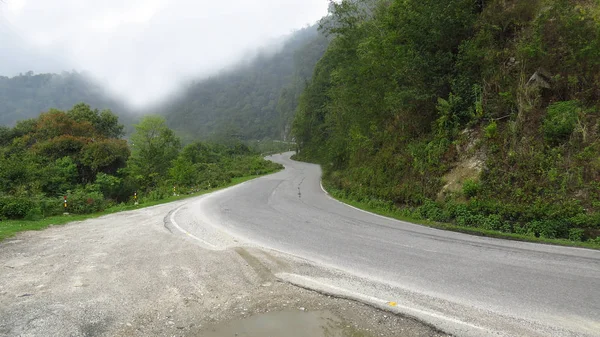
[{"x": 127, "y": 275}]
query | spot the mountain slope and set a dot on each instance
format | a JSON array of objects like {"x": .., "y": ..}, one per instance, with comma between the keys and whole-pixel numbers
[
  {"x": 256, "y": 100},
  {"x": 27, "y": 95},
  {"x": 485, "y": 114}
]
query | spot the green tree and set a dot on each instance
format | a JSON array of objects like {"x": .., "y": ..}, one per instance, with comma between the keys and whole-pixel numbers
[
  {"x": 154, "y": 146},
  {"x": 106, "y": 123}
]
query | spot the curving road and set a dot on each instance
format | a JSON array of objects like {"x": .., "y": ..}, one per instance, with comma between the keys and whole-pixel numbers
[{"x": 466, "y": 285}]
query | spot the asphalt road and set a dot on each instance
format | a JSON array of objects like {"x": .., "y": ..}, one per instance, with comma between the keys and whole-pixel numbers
[
  {"x": 466, "y": 285},
  {"x": 130, "y": 274}
]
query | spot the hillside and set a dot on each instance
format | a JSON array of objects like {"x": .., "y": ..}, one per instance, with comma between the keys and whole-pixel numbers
[
  {"x": 484, "y": 114},
  {"x": 255, "y": 100},
  {"x": 27, "y": 95}
]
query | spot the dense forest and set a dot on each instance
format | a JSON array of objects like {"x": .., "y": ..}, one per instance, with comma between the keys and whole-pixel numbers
[
  {"x": 27, "y": 95},
  {"x": 80, "y": 154},
  {"x": 255, "y": 100},
  {"x": 481, "y": 113}
]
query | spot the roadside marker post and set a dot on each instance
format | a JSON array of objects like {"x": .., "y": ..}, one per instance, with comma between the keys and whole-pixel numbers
[
  {"x": 135, "y": 198},
  {"x": 65, "y": 205}
]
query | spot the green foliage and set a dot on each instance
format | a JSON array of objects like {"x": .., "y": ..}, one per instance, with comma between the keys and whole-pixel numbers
[
  {"x": 491, "y": 130},
  {"x": 106, "y": 122},
  {"x": 560, "y": 121},
  {"x": 75, "y": 154},
  {"x": 85, "y": 200},
  {"x": 154, "y": 147},
  {"x": 470, "y": 188},
  {"x": 34, "y": 214},
  {"x": 15, "y": 207},
  {"x": 576, "y": 234},
  {"x": 205, "y": 165},
  {"x": 109, "y": 185},
  {"x": 59, "y": 176},
  {"x": 401, "y": 95}
]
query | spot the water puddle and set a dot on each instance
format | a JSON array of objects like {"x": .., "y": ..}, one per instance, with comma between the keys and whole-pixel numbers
[{"x": 285, "y": 324}]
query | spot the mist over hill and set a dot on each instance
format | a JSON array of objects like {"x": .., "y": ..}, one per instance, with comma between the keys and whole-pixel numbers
[
  {"x": 254, "y": 100},
  {"x": 27, "y": 95}
]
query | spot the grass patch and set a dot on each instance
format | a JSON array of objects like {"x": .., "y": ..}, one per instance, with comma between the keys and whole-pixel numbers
[
  {"x": 10, "y": 228},
  {"x": 462, "y": 229}
]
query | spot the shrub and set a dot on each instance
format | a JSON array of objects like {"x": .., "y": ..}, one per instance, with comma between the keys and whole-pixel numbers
[
  {"x": 160, "y": 193},
  {"x": 585, "y": 220},
  {"x": 50, "y": 206},
  {"x": 560, "y": 121},
  {"x": 109, "y": 185},
  {"x": 470, "y": 188},
  {"x": 549, "y": 229},
  {"x": 15, "y": 208},
  {"x": 576, "y": 234},
  {"x": 431, "y": 210},
  {"x": 86, "y": 200},
  {"x": 493, "y": 222},
  {"x": 491, "y": 130},
  {"x": 34, "y": 214}
]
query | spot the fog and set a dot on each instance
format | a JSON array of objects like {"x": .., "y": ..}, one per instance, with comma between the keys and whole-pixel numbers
[{"x": 143, "y": 50}]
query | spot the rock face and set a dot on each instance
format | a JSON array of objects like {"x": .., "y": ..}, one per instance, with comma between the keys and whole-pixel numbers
[
  {"x": 469, "y": 165},
  {"x": 541, "y": 78}
]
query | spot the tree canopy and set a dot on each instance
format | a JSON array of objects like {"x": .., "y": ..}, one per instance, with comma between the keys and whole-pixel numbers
[{"x": 486, "y": 106}]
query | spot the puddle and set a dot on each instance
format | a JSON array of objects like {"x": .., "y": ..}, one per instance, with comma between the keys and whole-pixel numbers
[{"x": 285, "y": 324}]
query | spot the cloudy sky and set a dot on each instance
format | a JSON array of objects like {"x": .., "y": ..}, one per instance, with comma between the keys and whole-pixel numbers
[{"x": 143, "y": 49}]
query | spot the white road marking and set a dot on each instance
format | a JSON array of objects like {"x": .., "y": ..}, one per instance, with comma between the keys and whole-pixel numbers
[
  {"x": 362, "y": 210},
  {"x": 186, "y": 232}
]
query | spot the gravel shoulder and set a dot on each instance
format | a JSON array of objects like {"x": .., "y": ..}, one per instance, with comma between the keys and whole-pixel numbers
[{"x": 128, "y": 274}]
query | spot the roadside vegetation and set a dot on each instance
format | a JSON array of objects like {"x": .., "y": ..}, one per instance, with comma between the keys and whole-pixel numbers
[
  {"x": 419, "y": 215},
  {"x": 481, "y": 114},
  {"x": 80, "y": 154}
]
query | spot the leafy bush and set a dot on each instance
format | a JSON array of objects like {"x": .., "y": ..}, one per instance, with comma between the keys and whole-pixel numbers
[
  {"x": 159, "y": 193},
  {"x": 15, "y": 208},
  {"x": 49, "y": 206},
  {"x": 86, "y": 200},
  {"x": 34, "y": 214},
  {"x": 560, "y": 121},
  {"x": 493, "y": 222},
  {"x": 491, "y": 130},
  {"x": 470, "y": 188},
  {"x": 109, "y": 185},
  {"x": 576, "y": 234},
  {"x": 585, "y": 220},
  {"x": 432, "y": 211},
  {"x": 549, "y": 229}
]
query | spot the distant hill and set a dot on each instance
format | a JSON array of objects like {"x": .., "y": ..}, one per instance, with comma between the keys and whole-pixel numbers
[
  {"x": 26, "y": 95},
  {"x": 255, "y": 100}
]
